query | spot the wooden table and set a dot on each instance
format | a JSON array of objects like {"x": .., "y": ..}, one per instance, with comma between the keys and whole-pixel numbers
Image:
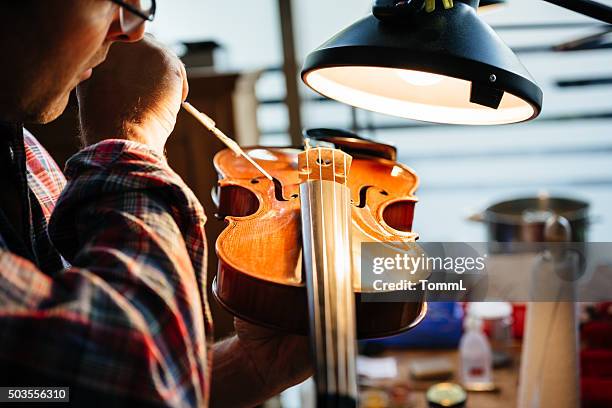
[{"x": 506, "y": 379}]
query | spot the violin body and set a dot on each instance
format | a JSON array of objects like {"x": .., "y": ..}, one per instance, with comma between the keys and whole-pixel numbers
[{"x": 260, "y": 276}]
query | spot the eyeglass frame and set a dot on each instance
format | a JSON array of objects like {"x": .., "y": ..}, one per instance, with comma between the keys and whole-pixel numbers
[{"x": 134, "y": 10}]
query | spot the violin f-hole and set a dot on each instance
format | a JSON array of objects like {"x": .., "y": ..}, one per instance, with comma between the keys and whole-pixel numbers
[
  {"x": 399, "y": 215},
  {"x": 278, "y": 190},
  {"x": 236, "y": 201},
  {"x": 363, "y": 193}
]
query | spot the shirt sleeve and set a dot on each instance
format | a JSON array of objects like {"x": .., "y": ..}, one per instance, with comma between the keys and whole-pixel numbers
[{"x": 130, "y": 316}]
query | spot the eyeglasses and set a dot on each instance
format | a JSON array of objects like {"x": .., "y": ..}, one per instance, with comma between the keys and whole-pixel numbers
[{"x": 134, "y": 12}]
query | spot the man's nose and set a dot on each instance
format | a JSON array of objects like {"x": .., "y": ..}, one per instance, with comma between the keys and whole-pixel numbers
[{"x": 116, "y": 32}]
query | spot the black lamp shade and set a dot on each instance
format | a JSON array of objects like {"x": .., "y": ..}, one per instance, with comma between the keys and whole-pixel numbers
[
  {"x": 491, "y": 3},
  {"x": 488, "y": 6},
  {"x": 447, "y": 66}
]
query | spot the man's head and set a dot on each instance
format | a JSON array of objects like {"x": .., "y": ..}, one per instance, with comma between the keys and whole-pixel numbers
[{"x": 47, "y": 48}]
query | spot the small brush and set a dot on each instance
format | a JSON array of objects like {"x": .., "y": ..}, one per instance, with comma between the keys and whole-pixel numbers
[{"x": 210, "y": 125}]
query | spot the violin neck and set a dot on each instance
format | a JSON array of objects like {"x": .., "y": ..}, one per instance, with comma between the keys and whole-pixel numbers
[{"x": 326, "y": 221}]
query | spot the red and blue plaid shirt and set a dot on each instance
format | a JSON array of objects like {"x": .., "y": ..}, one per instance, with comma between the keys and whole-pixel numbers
[{"x": 109, "y": 290}]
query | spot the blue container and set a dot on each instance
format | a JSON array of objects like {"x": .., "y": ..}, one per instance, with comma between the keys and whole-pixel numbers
[{"x": 441, "y": 328}]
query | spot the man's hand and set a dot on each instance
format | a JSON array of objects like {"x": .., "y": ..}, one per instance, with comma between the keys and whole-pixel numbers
[
  {"x": 257, "y": 364},
  {"x": 281, "y": 360},
  {"x": 135, "y": 95}
]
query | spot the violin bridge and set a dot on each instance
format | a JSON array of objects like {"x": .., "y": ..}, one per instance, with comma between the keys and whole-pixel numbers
[{"x": 324, "y": 164}]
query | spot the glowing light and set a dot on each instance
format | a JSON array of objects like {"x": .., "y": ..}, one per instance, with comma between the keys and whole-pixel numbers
[
  {"x": 381, "y": 90},
  {"x": 419, "y": 78}
]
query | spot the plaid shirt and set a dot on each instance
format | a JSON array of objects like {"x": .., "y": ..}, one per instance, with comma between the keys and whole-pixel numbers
[{"x": 124, "y": 311}]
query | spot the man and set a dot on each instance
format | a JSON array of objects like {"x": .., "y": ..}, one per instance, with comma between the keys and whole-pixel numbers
[{"x": 102, "y": 288}]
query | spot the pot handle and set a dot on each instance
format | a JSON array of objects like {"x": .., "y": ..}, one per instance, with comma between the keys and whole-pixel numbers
[
  {"x": 594, "y": 219},
  {"x": 476, "y": 217}
]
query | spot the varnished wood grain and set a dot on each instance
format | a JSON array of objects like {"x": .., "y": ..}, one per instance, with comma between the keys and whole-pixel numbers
[{"x": 260, "y": 265}]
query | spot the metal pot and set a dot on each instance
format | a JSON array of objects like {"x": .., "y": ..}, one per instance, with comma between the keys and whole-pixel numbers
[{"x": 524, "y": 219}]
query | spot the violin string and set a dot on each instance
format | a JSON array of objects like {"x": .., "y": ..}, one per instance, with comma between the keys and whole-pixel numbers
[
  {"x": 338, "y": 282},
  {"x": 319, "y": 344},
  {"x": 342, "y": 289},
  {"x": 308, "y": 162},
  {"x": 320, "y": 341},
  {"x": 327, "y": 309},
  {"x": 333, "y": 288},
  {"x": 348, "y": 286},
  {"x": 315, "y": 272},
  {"x": 352, "y": 353},
  {"x": 348, "y": 289}
]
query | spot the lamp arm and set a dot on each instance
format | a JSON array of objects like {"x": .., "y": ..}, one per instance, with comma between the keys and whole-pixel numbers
[{"x": 588, "y": 8}]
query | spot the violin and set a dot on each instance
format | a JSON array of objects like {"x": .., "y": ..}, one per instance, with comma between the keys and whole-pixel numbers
[{"x": 289, "y": 257}]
